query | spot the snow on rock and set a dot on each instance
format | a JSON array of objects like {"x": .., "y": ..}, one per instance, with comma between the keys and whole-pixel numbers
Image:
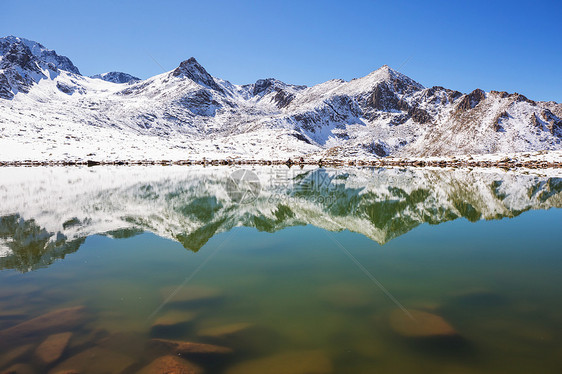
[
  {"x": 116, "y": 77},
  {"x": 48, "y": 111}
]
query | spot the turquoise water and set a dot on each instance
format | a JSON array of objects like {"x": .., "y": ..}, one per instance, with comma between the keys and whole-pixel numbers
[{"x": 315, "y": 294}]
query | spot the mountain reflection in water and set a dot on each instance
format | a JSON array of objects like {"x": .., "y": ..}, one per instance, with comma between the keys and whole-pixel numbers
[{"x": 47, "y": 213}]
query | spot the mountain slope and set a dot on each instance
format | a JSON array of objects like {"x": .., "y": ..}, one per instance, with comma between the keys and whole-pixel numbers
[
  {"x": 49, "y": 111},
  {"x": 116, "y": 77}
]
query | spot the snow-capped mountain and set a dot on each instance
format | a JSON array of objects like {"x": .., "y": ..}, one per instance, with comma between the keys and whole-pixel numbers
[
  {"x": 116, "y": 77},
  {"x": 49, "y": 111},
  {"x": 46, "y": 213}
]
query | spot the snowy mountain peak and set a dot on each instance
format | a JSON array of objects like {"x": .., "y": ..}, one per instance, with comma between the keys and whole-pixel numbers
[
  {"x": 193, "y": 70},
  {"x": 388, "y": 74},
  {"x": 38, "y": 51},
  {"x": 116, "y": 77},
  {"x": 190, "y": 113}
]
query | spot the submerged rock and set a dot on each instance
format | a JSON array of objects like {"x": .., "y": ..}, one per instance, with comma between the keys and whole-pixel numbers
[
  {"x": 420, "y": 324},
  {"x": 14, "y": 354},
  {"x": 225, "y": 330},
  {"x": 187, "y": 294},
  {"x": 186, "y": 348},
  {"x": 174, "y": 317},
  {"x": 170, "y": 365},
  {"x": 94, "y": 361},
  {"x": 52, "y": 348},
  {"x": 19, "y": 369},
  {"x": 305, "y": 362},
  {"x": 128, "y": 343},
  {"x": 62, "y": 319}
]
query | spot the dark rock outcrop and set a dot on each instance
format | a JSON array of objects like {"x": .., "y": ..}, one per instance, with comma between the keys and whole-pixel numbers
[
  {"x": 496, "y": 124},
  {"x": 282, "y": 98},
  {"x": 193, "y": 70},
  {"x": 471, "y": 100},
  {"x": 419, "y": 115},
  {"x": 116, "y": 77}
]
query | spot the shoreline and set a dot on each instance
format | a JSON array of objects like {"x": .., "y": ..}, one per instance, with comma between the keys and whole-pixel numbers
[{"x": 505, "y": 163}]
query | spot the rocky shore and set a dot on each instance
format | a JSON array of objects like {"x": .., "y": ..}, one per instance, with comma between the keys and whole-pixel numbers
[{"x": 504, "y": 163}]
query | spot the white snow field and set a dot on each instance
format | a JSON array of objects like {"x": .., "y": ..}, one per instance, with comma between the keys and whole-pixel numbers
[{"x": 49, "y": 111}]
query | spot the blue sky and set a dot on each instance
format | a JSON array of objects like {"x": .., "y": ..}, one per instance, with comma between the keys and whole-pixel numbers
[{"x": 513, "y": 45}]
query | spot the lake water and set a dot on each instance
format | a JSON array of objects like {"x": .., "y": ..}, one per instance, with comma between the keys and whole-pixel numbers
[{"x": 278, "y": 270}]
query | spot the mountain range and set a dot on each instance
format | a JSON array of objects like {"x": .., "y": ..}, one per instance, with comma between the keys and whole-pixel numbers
[
  {"x": 47, "y": 213},
  {"x": 50, "y": 111}
]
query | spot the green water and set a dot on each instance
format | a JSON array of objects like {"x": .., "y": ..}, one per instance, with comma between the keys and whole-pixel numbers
[{"x": 308, "y": 280}]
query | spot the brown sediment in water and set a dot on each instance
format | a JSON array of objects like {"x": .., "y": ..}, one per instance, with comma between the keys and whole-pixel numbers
[
  {"x": 67, "y": 318},
  {"x": 188, "y": 348}
]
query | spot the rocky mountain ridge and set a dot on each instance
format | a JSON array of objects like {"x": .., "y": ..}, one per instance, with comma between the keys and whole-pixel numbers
[
  {"x": 53, "y": 112},
  {"x": 116, "y": 77}
]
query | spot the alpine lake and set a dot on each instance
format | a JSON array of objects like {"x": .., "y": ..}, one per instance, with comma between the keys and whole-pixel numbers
[{"x": 174, "y": 269}]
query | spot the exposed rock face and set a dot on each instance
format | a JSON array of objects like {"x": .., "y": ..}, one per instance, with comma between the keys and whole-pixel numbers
[
  {"x": 200, "y": 103},
  {"x": 498, "y": 120},
  {"x": 535, "y": 121},
  {"x": 24, "y": 62},
  {"x": 188, "y": 107},
  {"x": 116, "y": 77},
  {"x": 471, "y": 100},
  {"x": 554, "y": 123},
  {"x": 193, "y": 70},
  {"x": 283, "y": 99},
  {"x": 383, "y": 98},
  {"x": 419, "y": 115},
  {"x": 262, "y": 85}
]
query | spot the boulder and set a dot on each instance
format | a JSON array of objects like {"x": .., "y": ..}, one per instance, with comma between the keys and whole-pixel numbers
[
  {"x": 174, "y": 317},
  {"x": 58, "y": 320},
  {"x": 225, "y": 330},
  {"x": 186, "y": 348},
  {"x": 93, "y": 361},
  {"x": 303, "y": 362},
  {"x": 419, "y": 324},
  {"x": 19, "y": 369},
  {"x": 52, "y": 348},
  {"x": 170, "y": 365},
  {"x": 126, "y": 342},
  {"x": 14, "y": 354}
]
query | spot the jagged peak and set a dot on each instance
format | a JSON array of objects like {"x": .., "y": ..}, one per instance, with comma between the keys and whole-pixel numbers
[
  {"x": 191, "y": 65},
  {"x": 40, "y": 52},
  {"x": 399, "y": 81},
  {"x": 193, "y": 70}
]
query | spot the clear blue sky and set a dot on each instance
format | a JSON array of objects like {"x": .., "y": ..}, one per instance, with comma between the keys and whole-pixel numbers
[{"x": 504, "y": 45}]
